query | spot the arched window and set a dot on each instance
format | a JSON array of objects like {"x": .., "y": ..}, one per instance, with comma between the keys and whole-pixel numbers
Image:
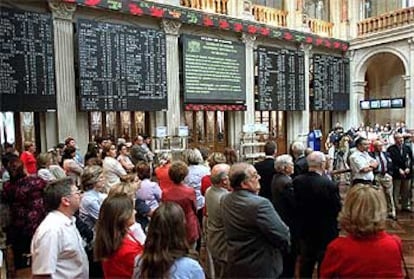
[
  {"x": 277, "y": 4},
  {"x": 372, "y": 8},
  {"x": 316, "y": 9}
]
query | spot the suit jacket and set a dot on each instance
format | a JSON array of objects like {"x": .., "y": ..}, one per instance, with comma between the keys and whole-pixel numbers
[
  {"x": 401, "y": 161},
  {"x": 318, "y": 204},
  {"x": 283, "y": 200},
  {"x": 388, "y": 162},
  {"x": 300, "y": 166},
  {"x": 255, "y": 236},
  {"x": 266, "y": 170}
]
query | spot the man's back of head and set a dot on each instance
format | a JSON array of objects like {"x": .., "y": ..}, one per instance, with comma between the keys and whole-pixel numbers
[
  {"x": 298, "y": 149},
  {"x": 270, "y": 148},
  {"x": 219, "y": 174},
  {"x": 316, "y": 161}
]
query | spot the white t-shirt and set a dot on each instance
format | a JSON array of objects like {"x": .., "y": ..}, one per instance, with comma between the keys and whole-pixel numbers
[{"x": 57, "y": 248}]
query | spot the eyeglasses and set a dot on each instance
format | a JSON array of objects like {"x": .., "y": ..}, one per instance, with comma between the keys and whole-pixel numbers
[
  {"x": 254, "y": 176},
  {"x": 76, "y": 192}
]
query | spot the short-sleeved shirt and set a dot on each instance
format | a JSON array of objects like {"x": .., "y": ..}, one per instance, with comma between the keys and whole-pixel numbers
[
  {"x": 57, "y": 248},
  {"x": 359, "y": 160},
  {"x": 113, "y": 170},
  {"x": 89, "y": 207}
]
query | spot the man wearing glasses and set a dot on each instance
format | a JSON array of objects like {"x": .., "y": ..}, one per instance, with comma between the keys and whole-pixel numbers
[
  {"x": 57, "y": 247},
  {"x": 255, "y": 234}
]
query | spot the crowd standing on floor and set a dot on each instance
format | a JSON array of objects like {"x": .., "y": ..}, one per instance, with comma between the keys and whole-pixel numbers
[{"x": 122, "y": 211}]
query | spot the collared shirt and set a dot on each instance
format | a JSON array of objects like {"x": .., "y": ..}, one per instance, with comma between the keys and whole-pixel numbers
[
  {"x": 358, "y": 161},
  {"x": 382, "y": 167},
  {"x": 89, "y": 207},
  {"x": 57, "y": 248}
]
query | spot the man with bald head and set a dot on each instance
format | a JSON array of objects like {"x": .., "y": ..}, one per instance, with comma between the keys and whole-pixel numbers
[
  {"x": 256, "y": 235},
  {"x": 318, "y": 204},
  {"x": 216, "y": 238}
]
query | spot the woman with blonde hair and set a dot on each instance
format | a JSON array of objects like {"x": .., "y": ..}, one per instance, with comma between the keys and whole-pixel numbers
[
  {"x": 367, "y": 251},
  {"x": 115, "y": 245},
  {"x": 167, "y": 253}
]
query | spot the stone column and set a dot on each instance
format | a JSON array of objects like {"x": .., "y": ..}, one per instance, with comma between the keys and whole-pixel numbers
[
  {"x": 70, "y": 122},
  {"x": 171, "y": 29},
  {"x": 409, "y": 88},
  {"x": 249, "y": 42},
  {"x": 357, "y": 94}
]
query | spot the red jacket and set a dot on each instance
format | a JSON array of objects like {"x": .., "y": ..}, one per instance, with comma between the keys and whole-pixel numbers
[
  {"x": 186, "y": 198},
  {"x": 121, "y": 263},
  {"x": 377, "y": 256},
  {"x": 29, "y": 162}
]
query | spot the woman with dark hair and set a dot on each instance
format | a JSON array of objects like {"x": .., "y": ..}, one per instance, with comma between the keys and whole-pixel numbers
[
  {"x": 91, "y": 155},
  {"x": 115, "y": 245},
  {"x": 231, "y": 155},
  {"x": 150, "y": 191},
  {"x": 367, "y": 251},
  {"x": 123, "y": 157},
  {"x": 184, "y": 196},
  {"x": 24, "y": 195},
  {"x": 167, "y": 253},
  {"x": 71, "y": 167},
  {"x": 113, "y": 170}
]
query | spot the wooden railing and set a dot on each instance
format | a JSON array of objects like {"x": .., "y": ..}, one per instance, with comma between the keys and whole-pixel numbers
[
  {"x": 320, "y": 27},
  {"x": 269, "y": 15},
  {"x": 386, "y": 21},
  {"x": 212, "y": 6}
]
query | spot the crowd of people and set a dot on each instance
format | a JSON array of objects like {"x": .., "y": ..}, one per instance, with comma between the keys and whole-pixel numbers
[{"x": 123, "y": 212}]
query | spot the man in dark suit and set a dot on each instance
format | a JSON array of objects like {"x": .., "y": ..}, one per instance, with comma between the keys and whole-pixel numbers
[
  {"x": 266, "y": 169},
  {"x": 383, "y": 175},
  {"x": 255, "y": 234},
  {"x": 317, "y": 204},
  {"x": 402, "y": 160},
  {"x": 298, "y": 153}
]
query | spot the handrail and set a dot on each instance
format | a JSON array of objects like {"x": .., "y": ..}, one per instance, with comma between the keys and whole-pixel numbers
[
  {"x": 386, "y": 21},
  {"x": 269, "y": 15}
]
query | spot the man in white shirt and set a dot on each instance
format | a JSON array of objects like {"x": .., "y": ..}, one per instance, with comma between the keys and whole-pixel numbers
[
  {"x": 57, "y": 247},
  {"x": 362, "y": 164}
]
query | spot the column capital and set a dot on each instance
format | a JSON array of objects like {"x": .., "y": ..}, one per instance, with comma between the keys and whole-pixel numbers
[
  {"x": 248, "y": 39},
  {"x": 62, "y": 10},
  {"x": 306, "y": 48},
  {"x": 171, "y": 27}
]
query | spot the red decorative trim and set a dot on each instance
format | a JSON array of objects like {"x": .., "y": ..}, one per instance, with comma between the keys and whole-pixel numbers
[
  {"x": 200, "y": 18},
  {"x": 214, "y": 107}
]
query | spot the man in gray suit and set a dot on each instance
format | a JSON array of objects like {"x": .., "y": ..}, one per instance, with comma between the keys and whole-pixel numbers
[
  {"x": 216, "y": 238},
  {"x": 255, "y": 234}
]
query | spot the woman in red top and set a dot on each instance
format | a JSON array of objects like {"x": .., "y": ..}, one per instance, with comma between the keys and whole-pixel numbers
[
  {"x": 185, "y": 197},
  {"x": 367, "y": 251},
  {"x": 161, "y": 172},
  {"x": 28, "y": 158},
  {"x": 115, "y": 245}
]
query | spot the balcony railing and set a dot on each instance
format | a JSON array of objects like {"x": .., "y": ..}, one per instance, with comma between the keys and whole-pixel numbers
[
  {"x": 320, "y": 27},
  {"x": 386, "y": 21},
  {"x": 212, "y": 6},
  {"x": 269, "y": 15}
]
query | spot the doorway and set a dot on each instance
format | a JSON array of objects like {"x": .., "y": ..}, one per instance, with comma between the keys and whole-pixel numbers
[
  {"x": 207, "y": 129},
  {"x": 276, "y": 121}
]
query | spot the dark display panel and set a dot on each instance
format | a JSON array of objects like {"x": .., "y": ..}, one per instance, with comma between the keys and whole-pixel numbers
[
  {"x": 121, "y": 67},
  {"x": 281, "y": 79},
  {"x": 330, "y": 83},
  {"x": 214, "y": 70},
  {"x": 27, "y": 75}
]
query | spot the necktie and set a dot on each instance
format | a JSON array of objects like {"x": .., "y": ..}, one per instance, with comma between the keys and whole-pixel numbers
[{"x": 382, "y": 164}]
